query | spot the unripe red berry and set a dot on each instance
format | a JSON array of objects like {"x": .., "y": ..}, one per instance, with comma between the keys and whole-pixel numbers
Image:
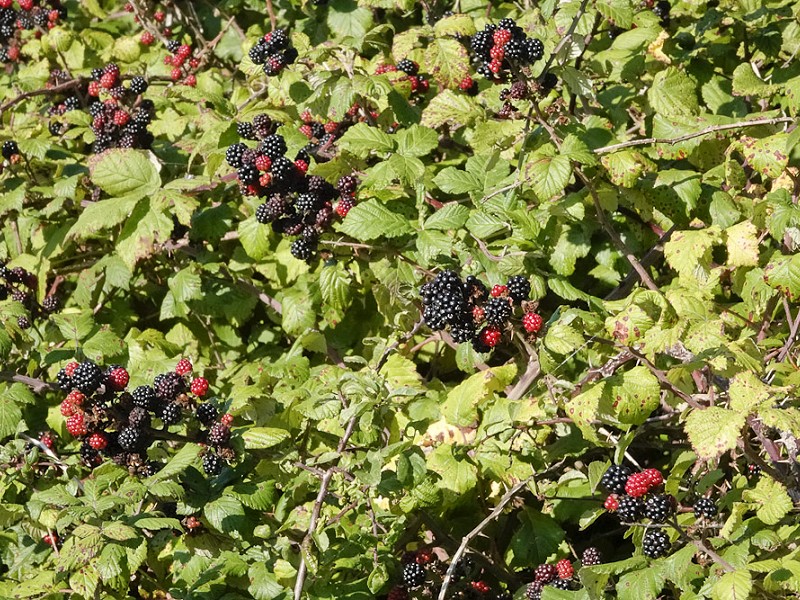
[
  {"x": 199, "y": 386},
  {"x": 183, "y": 367},
  {"x": 98, "y": 441},
  {"x": 564, "y": 569},
  {"x": 190, "y": 80},
  {"x": 612, "y": 503}
]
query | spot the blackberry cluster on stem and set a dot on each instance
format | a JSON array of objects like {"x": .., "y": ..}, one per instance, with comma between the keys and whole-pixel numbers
[
  {"x": 120, "y": 116},
  {"x": 472, "y": 312},
  {"x": 294, "y": 203},
  {"x": 273, "y": 52},
  {"x": 184, "y": 64},
  {"x": 22, "y": 20},
  {"x": 19, "y": 285},
  {"x": 502, "y": 50},
  {"x": 111, "y": 422},
  {"x": 323, "y": 133}
]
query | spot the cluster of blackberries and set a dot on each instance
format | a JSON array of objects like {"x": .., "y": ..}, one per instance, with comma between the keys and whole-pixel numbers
[
  {"x": 322, "y": 135},
  {"x": 422, "y": 575},
  {"x": 559, "y": 576},
  {"x": 501, "y": 50},
  {"x": 295, "y": 203},
  {"x": 116, "y": 423},
  {"x": 273, "y": 51},
  {"x": 410, "y": 69},
  {"x": 20, "y": 285},
  {"x": 36, "y": 16},
  {"x": 120, "y": 116},
  {"x": 473, "y": 312},
  {"x": 153, "y": 13}
]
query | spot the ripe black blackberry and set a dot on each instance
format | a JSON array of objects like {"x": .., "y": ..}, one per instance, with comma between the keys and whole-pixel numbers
[
  {"x": 258, "y": 53},
  {"x": 705, "y": 507},
  {"x": 97, "y": 74},
  {"x": 171, "y": 413},
  {"x": 212, "y": 464},
  {"x": 278, "y": 40},
  {"x": 129, "y": 438},
  {"x": 615, "y": 478},
  {"x": 173, "y": 45},
  {"x": 138, "y": 85},
  {"x": 515, "y": 49},
  {"x": 658, "y": 507},
  {"x": 23, "y": 322},
  {"x": 51, "y": 304},
  {"x": 591, "y": 556},
  {"x": 151, "y": 468},
  {"x": 317, "y": 185},
  {"x": 303, "y": 249},
  {"x": 87, "y": 377},
  {"x": 413, "y": 575},
  {"x": 88, "y": 454},
  {"x": 233, "y": 155},
  {"x": 347, "y": 184},
  {"x": 219, "y": 434},
  {"x": 519, "y": 288},
  {"x": 247, "y": 174},
  {"x": 283, "y": 170},
  {"x": 64, "y": 380},
  {"x": 168, "y": 385},
  {"x": 3, "y": 292},
  {"x": 497, "y": 311},
  {"x": 408, "y": 66},
  {"x": 662, "y": 10},
  {"x": 307, "y": 203},
  {"x": 481, "y": 43},
  {"x": 630, "y": 509},
  {"x": 475, "y": 292},
  {"x": 206, "y": 413},
  {"x": 534, "y": 49},
  {"x": 655, "y": 543},
  {"x": 144, "y": 396},
  {"x": 561, "y": 584},
  {"x": 273, "y": 146},
  {"x": 9, "y": 149},
  {"x": 506, "y": 23},
  {"x": 72, "y": 103},
  {"x": 245, "y": 130},
  {"x": 464, "y": 331},
  {"x": 139, "y": 418}
]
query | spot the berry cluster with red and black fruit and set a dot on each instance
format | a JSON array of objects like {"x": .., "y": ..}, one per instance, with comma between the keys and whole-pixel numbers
[
  {"x": 11, "y": 155},
  {"x": 184, "y": 64},
  {"x": 474, "y": 313},
  {"x": 410, "y": 72},
  {"x": 120, "y": 115},
  {"x": 423, "y": 573},
  {"x": 295, "y": 203},
  {"x": 560, "y": 575},
  {"x": 16, "y": 18},
  {"x": 273, "y": 51},
  {"x": 637, "y": 496},
  {"x": 20, "y": 285},
  {"x": 119, "y": 424},
  {"x": 503, "y": 50}
]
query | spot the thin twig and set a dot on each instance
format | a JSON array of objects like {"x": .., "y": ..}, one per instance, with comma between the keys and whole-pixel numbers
[
  {"x": 567, "y": 36},
  {"x": 389, "y": 349},
  {"x": 68, "y": 85},
  {"x": 507, "y": 497},
  {"x": 37, "y": 385},
  {"x": 323, "y": 492},
  {"x": 689, "y": 136},
  {"x": 271, "y": 12}
]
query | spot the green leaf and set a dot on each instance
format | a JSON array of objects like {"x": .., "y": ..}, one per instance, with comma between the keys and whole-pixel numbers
[
  {"x": 747, "y": 83},
  {"x": 673, "y": 93},
  {"x": 226, "y": 514},
  {"x": 461, "y": 405},
  {"x": 362, "y": 140},
  {"x": 334, "y": 282},
  {"x": 10, "y": 414},
  {"x": 714, "y": 431},
  {"x": 455, "y": 110},
  {"x": 635, "y": 394},
  {"x": 264, "y": 437},
  {"x": 125, "y": 173},
  {"x": 548, "y": 172},
  {"x": 447, "y": 61},
  {"x": 783, "y": 274},
  {"x": 733, "y": 586},
  {"x": 371, "y": 219},
  {"x": 768, "y": 156},
  {"x": 178, "y": 463},
  {"x": 770, "y": 499},
  {"x": 417, "y": 141},
  {"x": 346, "y": 19},
  {"x": 450, "y": 216},
  {"x": 454, "y": 25},
  {"x": 455, "y": 181},
  {"x": 641, "y": 584},
  {"x": 618, "y": 12}
]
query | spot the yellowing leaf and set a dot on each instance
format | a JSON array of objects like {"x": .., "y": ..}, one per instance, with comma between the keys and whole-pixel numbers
[
  {"x": 714, "y": 431},
  {"x": 742, "y": 245}
]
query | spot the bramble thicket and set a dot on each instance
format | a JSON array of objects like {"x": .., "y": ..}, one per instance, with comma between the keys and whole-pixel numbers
[{"x": 401, "y": 300}]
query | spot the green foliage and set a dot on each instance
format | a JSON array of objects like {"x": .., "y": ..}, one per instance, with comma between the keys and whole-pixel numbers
[{"x": 650, "y": 198}]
